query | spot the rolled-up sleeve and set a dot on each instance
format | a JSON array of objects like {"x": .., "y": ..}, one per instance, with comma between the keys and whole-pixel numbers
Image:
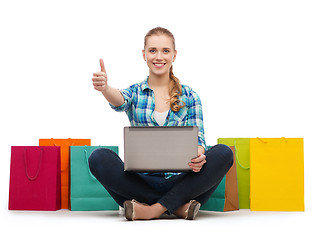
[
  {"x": 127, "y": 94},
  {"x": 195, "y": 117}
]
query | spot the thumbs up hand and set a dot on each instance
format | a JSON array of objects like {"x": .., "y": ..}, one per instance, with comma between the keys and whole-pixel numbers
[{"x": 100, "y": 78}]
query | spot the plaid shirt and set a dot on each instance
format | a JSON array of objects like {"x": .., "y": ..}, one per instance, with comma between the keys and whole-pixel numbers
[{"x": 140, "y": 105}]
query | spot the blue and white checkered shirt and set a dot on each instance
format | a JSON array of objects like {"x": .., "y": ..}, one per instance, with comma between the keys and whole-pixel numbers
[{"x": 140, "y": 105}]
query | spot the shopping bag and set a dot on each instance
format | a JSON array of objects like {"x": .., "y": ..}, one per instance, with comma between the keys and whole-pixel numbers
[
  {"x": 276, "y": 174},
  {"x": 35, "y": 180},
  {"x": 64, "y": 144},
  {"x": 241, "y": 146},
  {"x": 225, "y": 197},
  {"x": 86, "y": 192}
]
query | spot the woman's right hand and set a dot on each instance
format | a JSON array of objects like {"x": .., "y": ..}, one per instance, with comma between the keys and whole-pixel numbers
[{"x": 100, "y": 78}]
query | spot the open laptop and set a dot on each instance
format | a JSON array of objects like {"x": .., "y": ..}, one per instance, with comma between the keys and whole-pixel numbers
[{"x": 159, "y": 149}]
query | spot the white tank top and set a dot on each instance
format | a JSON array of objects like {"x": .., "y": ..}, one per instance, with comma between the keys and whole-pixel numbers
[{"x": 160, "y": 117}]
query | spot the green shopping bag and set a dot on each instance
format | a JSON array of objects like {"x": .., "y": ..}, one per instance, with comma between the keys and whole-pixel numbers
[
  {"x": 243, "y": 168},
  {"x": 217, "y": 199},
  {"x": 225, "y": 197},
  {"x": 86, "y": 193}
]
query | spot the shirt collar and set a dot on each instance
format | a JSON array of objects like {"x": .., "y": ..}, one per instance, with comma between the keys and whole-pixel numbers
[{"x": 144, "y": 84}]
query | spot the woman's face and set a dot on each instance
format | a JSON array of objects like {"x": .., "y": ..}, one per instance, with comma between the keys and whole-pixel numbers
[{"x": 159, "y": 53}]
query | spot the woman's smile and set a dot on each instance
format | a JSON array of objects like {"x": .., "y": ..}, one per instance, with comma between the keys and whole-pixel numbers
[{"x": 159, "y": 65}]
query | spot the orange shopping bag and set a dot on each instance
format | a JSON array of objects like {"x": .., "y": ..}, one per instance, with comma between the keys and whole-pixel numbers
[{"x": 65, "y": 145}]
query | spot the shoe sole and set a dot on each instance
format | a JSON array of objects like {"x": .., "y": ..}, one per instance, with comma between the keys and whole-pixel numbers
[
  {"x": 193, "y": 210},
  {"x": 128, "y": 206}
]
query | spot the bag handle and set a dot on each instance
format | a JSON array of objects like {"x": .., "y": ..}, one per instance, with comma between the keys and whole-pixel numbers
[
  {"x": 39, "y": 165},
  {"x": 86, "y": 156},
  {"x": 261, "y": 140},
  {"x": 73, "y": 144},
  {"x": 237, "y": 159}
]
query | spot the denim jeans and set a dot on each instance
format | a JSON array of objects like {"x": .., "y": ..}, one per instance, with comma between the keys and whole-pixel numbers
[{"x": 172, "y": 193}]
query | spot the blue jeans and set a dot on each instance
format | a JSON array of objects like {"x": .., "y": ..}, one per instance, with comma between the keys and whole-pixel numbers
[{"x": 172, "y": 193}]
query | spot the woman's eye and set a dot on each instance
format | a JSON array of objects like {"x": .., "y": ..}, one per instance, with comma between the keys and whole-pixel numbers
[
  {"x": 166, "y": 51},
  {"x": 152, "y": 51}
]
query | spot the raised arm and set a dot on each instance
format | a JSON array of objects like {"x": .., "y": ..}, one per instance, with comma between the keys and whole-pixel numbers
[{"x": 112, "y": 95}]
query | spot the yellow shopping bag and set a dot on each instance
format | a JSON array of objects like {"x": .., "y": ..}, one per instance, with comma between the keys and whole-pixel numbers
[{"x": 276, "y": 174}]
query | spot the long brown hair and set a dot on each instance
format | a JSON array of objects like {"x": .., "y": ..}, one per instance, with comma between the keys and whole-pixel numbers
[{"x": 175, "y": 88}]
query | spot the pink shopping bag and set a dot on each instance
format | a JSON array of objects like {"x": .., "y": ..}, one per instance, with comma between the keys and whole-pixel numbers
[{"x": 35, "y": 180}]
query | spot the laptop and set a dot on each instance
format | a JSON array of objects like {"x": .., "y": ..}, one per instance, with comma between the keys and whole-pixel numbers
[{"x": 160, "y": 149}]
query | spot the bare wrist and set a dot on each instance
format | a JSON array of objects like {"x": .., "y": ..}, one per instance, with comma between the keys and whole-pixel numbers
[{"x": 201, "y": 149}]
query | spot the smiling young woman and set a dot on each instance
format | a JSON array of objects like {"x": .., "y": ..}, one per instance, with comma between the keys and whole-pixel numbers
[
  {"x": 160, "y": 100},
  {"x": 159, "y": 52}
]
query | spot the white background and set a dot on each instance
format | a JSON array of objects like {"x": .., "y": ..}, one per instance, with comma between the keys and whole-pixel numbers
[{"x": 250, "y": 62}]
